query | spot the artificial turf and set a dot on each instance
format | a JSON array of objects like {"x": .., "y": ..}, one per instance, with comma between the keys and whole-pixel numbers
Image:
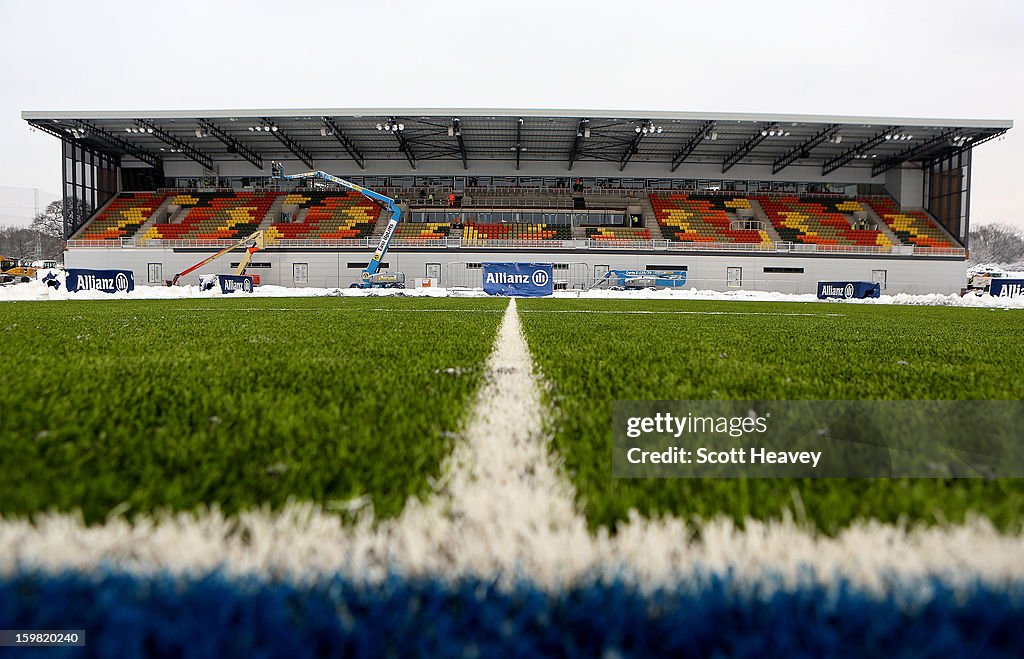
[
  {"x": 170, "y": 405},
  {"x": 747, "y": 350}
]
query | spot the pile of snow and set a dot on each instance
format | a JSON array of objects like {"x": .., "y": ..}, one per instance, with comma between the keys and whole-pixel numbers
[{"x": 37, "y": 290}]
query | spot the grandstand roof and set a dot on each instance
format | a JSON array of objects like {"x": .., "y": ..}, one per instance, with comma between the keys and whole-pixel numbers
[{"x": 568, "y": 136}]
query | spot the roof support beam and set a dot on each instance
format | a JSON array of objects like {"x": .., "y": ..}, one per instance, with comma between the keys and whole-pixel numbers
[
  {"x": 345, "y": 142},
  {"x": 798, "y": 151},
  {"x": 578, "y": 142},
  {"x": 631, "y": 149},
  {"x": 403, "y": 144},
  {"x": 909, "y": 154},
  {"x": 746, "y": 148},
  {"x": 519, "y": 140},
  {"x": 688, "y": 148},
  {"x": 457, "y": 129},
  {"x": 967, "y": 147},
  {"x": 49, "y": 130},
  {"x": 183, "y": 147},
  {"x": 290, "y": 144},
  {"x": 145, "y": 156},
  {"x": 850, "y": 154},
  {"x": 234, "y": 146}
]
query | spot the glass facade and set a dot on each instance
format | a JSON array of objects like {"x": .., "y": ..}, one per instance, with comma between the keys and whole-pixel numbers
[
  {"x": 90, "y": 180},
  {"x": 947, "y": 184}
]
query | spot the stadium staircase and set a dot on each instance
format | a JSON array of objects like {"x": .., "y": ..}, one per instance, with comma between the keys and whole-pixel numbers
[
  {"x": 273, "y": 213},
  {"x": 876, "y": 219},
  {"x": 913, "y": 226},
  {"x": 762, "y": 217},
  {"x": 161, "y": 212}
]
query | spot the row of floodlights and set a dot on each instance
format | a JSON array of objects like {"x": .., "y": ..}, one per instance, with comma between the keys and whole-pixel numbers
[
  {"x": 391, "y": 127},
  {"x": 134, "y": 129},
  {"x": 899, "y": 137},
  {"x": 269, "y": 129},
  {"x": 776, "y": 131},
  {"x": 649, "y": 129}
]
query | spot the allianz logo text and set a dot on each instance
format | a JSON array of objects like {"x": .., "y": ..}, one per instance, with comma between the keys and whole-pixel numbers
[
  {"x": 1011, "y": 290},
  {"x": 512, "y": 278},
  {"x": 843, "y": 291},
  {"x": 94, "y": 283}
]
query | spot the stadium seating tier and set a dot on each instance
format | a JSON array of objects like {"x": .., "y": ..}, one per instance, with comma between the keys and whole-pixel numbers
[{"x": 123, "y": 216}]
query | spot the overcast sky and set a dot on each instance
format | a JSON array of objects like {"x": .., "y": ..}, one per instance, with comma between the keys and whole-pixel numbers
[{"x": 886, "y": 58}]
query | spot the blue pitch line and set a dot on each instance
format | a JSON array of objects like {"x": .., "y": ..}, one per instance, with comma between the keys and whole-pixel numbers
[{"x": 213, "y": 616}]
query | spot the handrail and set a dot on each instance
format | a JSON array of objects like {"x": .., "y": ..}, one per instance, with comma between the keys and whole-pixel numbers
[{"x": 577, "y": 244}]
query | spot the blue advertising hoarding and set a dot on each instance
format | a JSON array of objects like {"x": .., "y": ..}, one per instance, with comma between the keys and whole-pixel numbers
[
  {"x": 108, "y": 281},
  {"x": 519, "y": 279},
  {"x": 848, "y": 290},
  {"x": 232, "y": 283},
  {"x": 659, "y": 278},
  {"x": 1007, "y": 287}
]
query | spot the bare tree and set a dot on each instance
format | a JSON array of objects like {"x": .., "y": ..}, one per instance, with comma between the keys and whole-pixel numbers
[
  {"x": 49, "y": 225},
  {"x": 19, "y": 243},
  {"x": 51, "y": 221},
  {"x": 997, "y": 244}
]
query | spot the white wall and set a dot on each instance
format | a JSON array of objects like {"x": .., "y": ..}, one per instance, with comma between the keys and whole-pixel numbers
[{"x": 328, "y": 268}]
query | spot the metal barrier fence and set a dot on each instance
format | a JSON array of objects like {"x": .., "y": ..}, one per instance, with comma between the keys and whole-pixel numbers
[{"x": 578, "y": 244}]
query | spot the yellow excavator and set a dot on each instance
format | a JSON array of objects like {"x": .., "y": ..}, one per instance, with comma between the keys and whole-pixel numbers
[
  {"x": 252, "y": 243},
  {"x": 12, "y": 271}
]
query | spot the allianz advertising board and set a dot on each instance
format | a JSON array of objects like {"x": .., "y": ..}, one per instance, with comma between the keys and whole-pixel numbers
[
  {"x": 844, "y": 290},
  {"x": 108, "y": 281},
  {"x": 232, "y": 283},
  {"x": 1007, "y": 287},
  {"x": 519, "y": 279}
]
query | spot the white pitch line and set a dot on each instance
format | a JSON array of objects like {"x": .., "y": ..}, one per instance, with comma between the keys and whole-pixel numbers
[
  {"x": 503, "y": 510},
  {"x": 685, "y": 313}
]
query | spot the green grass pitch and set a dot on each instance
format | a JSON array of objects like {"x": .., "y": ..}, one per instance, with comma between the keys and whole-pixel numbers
[
  {"x": 251, "y": 402},
  {"x": 727, "y": 350},
  {"x": 169, "y": 405}
]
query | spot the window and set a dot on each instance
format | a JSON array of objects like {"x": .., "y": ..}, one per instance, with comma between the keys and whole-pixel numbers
[
  {"x": 785, "y": 271},
  {"x": 252, "y": 264},
  {"x": 879, "y": 277},
  {"x": 665, "y": 267},
  {"x": 155, "y": 273},
  {"x": 359, "y": 266},
  {"x": 300, "y": 273}
]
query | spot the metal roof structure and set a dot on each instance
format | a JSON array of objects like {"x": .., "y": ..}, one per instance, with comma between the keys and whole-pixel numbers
[{"x": 461, "y": 136}]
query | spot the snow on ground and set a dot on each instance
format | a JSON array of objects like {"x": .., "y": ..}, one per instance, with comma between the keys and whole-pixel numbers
[{"x": 38, "y": 291}]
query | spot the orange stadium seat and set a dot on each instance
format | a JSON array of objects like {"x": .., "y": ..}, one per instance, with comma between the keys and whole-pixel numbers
[
  {"x": 703, "y": 218},
  {"x": 912, "y": 227},
  {"x": 123, "y": 217}
]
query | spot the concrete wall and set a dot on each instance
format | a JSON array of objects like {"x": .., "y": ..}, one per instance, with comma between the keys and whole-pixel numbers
[
  {"x": 328, "y": 268},
  {"x": 906, "y": 184}
]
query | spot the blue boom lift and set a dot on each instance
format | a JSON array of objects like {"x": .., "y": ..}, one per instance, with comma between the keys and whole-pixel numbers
[{"x": 369, "y": 278}]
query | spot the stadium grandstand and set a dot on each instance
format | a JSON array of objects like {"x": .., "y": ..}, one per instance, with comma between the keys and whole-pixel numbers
[{"x": 748, "y": 201}]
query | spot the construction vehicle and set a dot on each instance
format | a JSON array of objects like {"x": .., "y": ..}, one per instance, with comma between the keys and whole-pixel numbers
[
  {"x": 979, "y": 282},
  {"x": 252, "y": 243},
  {"x": 13, "y": 271},
  {"x": 370, "y": 277},
  {"x": 631, "y": 280}
]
